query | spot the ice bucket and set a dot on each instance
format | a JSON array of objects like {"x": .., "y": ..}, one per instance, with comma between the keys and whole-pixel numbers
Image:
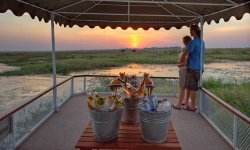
[
  {"x": 106, "y": 124},
  {"x": 131, "y": 111},
  {"x": 154, "y": 126}
]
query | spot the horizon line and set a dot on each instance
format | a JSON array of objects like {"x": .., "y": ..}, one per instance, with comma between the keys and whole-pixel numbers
[{"x": 110, "y": 49}]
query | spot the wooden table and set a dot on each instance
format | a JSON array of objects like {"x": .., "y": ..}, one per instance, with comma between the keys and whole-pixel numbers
[{"x": 129, "y": 137}]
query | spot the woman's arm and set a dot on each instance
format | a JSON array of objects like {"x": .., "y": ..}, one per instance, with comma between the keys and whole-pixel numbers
[
  {"x": 183, "y": 56},
  {"x": 184, "y": 63}
]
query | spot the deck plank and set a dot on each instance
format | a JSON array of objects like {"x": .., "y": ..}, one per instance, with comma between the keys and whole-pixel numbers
[
  {"x": 129, "y": 137},
  {"x": 126, "y": 140},
  {"x": 98, "y": 145}
]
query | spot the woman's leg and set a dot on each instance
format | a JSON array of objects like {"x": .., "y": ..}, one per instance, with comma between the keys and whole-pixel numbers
[
  {"x": 181, "y": 97},
  {"x": 182, "y": 80}
]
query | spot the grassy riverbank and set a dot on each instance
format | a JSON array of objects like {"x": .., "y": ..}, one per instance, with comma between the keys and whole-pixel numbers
[
  {"x": 235, "y": 94},
  {"x": 69, "y": 61}
]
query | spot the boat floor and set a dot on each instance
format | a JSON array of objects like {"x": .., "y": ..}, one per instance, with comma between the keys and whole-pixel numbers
[{"x": 63, "y": 129}]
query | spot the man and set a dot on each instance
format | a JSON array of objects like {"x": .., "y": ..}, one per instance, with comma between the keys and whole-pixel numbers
[{"x": 194, "y": 67}]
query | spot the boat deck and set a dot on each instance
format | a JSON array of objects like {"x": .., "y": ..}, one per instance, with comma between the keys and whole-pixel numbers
[{"x": 63, "y": 129}]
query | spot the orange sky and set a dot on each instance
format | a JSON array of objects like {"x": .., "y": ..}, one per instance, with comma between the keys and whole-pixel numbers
[{"x": 23, "y": 33}]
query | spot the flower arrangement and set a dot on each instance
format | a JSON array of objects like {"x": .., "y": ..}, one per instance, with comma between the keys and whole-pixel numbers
[
  {"x": 100, "y": 103},
  {"x": 130, "y": 85}
]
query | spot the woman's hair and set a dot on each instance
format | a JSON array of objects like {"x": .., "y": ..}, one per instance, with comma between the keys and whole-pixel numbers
[
  {"x": 196, "y": 29},
  {"x": 186, "y": 39}
]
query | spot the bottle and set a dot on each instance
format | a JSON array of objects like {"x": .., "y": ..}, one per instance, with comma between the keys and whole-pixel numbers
[
  {"x": 153, "y": 102},
  {"x": 164, "y": 106},
  {"x": 145, "y": 107}
]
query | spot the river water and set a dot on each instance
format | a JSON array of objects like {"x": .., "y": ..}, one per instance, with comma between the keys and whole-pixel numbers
[{"x": 15, "y": 90}]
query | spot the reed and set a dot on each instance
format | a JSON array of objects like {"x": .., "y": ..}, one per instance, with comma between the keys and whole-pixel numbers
[
  {"x": 235, "y": 94},
  {"x": 32, "y": 63}
]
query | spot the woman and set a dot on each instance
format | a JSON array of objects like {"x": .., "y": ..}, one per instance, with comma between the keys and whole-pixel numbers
[
  {"x": 182, "y": 64},
  {"x": 194, "y": 67}
]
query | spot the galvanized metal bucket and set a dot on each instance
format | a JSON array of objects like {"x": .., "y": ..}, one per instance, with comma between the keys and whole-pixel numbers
[
  {"x": 154, "y": 126},
  {"x": 131, "y": 111},
  {"x": 106, "y": 124}
]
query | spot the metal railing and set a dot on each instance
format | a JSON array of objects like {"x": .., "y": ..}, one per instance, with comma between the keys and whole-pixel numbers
[
  {"x": 18, "y": 124},
  {"x": 84, "y": 83},
  {"x": 229, "y": 122}
]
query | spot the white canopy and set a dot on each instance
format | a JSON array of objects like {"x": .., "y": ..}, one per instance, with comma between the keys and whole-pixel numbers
[{"x": 129, "y": 13}]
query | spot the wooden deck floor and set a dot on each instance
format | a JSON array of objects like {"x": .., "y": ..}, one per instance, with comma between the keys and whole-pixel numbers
[
  {"x": 63, "y": 129},
  {"x": 129, "y": 137}
]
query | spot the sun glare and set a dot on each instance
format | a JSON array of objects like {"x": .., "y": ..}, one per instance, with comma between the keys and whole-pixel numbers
[{"x": 134, "y": 41}]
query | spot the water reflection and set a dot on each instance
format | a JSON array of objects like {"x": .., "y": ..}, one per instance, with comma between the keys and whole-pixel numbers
[{"x": 226, "y": 71}]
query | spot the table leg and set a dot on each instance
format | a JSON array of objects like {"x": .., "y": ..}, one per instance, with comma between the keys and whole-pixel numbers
[
  {"x": 151, "y": 89},
  {"x": 148, "y": 92}
]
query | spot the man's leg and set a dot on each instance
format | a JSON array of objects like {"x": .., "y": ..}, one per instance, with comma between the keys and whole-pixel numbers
[
  {"x": 196, "y": 78},
  {"x": 186, "y": 99},
  {"x": 193, "y": 100}
]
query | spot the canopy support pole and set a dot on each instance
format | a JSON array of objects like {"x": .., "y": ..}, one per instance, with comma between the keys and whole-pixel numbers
[
  {"x": 201, "y": 63},
  {"x": 53, "y": 62},
  {"x": 201, "y": 53}
]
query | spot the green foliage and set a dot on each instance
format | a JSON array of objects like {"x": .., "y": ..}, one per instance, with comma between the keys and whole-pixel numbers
[
  {"x": 69, "y": 61},
  {"x": 235, "y": 94},
  {"x": 232, "y": 54}
]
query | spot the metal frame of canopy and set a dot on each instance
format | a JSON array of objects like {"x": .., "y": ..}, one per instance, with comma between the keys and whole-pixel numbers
[
  {"x": 195, "y": 16},
  {"x": 159, "y": 3}
]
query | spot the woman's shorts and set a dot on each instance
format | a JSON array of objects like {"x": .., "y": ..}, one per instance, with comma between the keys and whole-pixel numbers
[
  {"x": 182, "y": 77},
  {"x": 192, "y": 81}
]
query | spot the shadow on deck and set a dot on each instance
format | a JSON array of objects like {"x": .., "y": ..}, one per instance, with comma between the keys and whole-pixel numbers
[{"x": 62, "y": 130}]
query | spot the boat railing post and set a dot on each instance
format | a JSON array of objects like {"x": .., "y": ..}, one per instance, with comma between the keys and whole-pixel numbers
[
  {"x": 201, "y": 62},
  {"x": 235, "y": 131},
  {"x": 173, "y": 87},
  {"x": 166, "y": 85},
  {"x": 72, "y": 87},
  {"x": 201, "y": 100},
  {"x": 84, "y": 85},
  {"x": 12, "y": 132},
  {"x": 53, "y": 62}
]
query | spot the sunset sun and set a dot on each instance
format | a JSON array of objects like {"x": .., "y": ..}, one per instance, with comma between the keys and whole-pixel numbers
[{"x": 134, "y": 41}]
